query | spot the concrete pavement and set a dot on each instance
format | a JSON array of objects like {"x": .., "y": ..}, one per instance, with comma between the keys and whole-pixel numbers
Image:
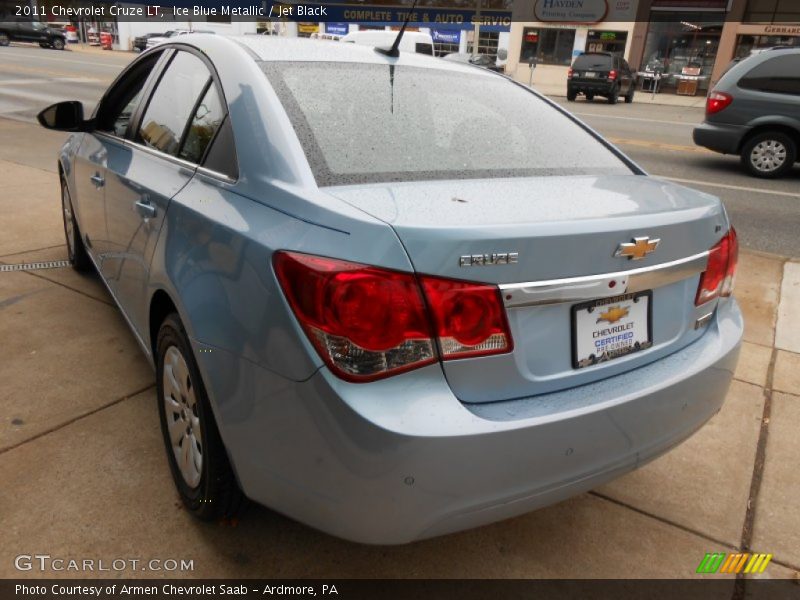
[{"x": 83, "y": 470}]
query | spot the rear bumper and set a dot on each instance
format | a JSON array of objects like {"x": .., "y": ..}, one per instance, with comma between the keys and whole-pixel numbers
[
  {"x": 719, "y": 137},
  {"x": 600, "y": 87},
  {"x": 402, "y": 459}
]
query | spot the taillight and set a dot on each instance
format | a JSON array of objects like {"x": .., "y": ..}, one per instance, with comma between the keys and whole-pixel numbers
[
  {"x": 469, "y": 318},
  {"x": 612, "y": 74},
  {"x": 569, "y": 73},
  {"x": 367, "y": 323},
  {"x": 717, "y": 101},
  {"x": 718, "y": 278}
]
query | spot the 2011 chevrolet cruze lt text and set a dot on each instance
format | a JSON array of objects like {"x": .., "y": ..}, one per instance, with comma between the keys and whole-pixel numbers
[{"x": 392, "y": 296}]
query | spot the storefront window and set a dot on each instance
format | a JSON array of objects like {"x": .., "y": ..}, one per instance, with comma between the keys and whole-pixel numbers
[
  {"x": 772, "y": 11},
  {"x": 607, "y": 41},
  {"x": 748, "y": 44},
  {"x": 681, "y": 51},
  {"x": 547, "y": 46},
  {"x": 487, "y": 43}
]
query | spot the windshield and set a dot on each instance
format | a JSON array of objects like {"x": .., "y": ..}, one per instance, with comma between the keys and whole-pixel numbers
[{"x": 367, "y": 123}]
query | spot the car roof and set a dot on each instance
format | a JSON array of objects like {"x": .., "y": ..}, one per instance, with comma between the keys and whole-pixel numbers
[{"x": 276, "y": 48}]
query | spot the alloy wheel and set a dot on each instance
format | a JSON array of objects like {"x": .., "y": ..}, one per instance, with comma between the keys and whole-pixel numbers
[
  {"x": 768, "y": 156},
  {"x": 182, "y": 416}
]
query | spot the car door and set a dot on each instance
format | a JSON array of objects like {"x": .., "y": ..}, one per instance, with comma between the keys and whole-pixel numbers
[
  {"x": 144, "y": 174},
  {"x": 112, "y": 118}
]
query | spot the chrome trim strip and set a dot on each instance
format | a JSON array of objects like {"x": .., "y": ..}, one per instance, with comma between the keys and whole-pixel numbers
[{"x": 574, "y": 289}]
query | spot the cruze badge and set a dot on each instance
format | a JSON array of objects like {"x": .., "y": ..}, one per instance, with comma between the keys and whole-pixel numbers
[
  {"x": 638, "y": 248},
  {"x": 486, "y": 260}
]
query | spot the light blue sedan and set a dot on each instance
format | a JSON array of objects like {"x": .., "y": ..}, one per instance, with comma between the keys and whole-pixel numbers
[{"x": 392, "y": 297}]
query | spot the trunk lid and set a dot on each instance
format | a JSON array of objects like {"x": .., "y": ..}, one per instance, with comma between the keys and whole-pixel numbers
[{"x": 559, "y": 227}]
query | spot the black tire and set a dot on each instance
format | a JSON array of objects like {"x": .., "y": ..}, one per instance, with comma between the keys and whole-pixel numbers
[
  {"x": 571, "y": 96},
  {"x": 4, "y": 41},
  {"x": 613, "y": 96},
  {"x": 589, "y": 97},
  {"x": 57, "y": 43},
  {"x": 216, "y": 494},
  {"x": 76, "y": 251},
  {"x": 776, "y": 150},
  {"x": 629, "y": 95}
]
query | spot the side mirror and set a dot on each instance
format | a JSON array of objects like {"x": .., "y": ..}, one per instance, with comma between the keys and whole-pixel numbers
[
  {"x": 502, "y": 54},
  {"x": 64, "y": 116}
]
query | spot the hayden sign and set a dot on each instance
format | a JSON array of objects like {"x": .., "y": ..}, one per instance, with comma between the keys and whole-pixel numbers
[{"x": 571, "y": 11}]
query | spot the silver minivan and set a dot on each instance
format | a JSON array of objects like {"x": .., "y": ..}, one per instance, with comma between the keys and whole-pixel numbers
[{"x": 754, "y": 111}]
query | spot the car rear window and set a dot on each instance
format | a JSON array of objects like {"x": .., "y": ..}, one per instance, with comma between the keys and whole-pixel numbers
[
  {"x": 590, "y": 62},
  {"x": 369, "y": 123}
]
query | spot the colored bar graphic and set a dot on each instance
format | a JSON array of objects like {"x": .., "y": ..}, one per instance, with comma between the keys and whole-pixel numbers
[{"x": 734, "y": 563}]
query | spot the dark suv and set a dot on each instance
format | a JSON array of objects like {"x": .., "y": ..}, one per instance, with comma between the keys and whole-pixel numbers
[
  {"x": 32, "y": 31},
  {"x": 601, "y": 74},
  {"x": 754, "y": 111}
]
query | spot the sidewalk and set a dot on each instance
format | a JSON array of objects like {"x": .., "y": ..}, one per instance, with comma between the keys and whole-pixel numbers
[
  {"x": 639, "y": 97},
  {"x": 83, "y": 471}
]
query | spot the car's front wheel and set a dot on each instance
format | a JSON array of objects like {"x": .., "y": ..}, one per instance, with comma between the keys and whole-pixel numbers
[
  {"x": 769, "y": 154},
  {"x": 571, "y": 95},
  {"x": 613, "y": 96},
  {"x": 197, "y": 458},
  {"x": 629, "y": 95},
  {"x": 76, "y": 251},
  {"x": 57, "y": 43}
]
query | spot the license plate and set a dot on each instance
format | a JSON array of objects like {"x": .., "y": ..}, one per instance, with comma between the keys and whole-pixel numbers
[
  {"x": 608, "y": 328},
  {"x": 590, "y": 74}
]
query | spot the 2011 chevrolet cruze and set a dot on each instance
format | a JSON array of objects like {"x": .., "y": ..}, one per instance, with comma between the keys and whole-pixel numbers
[{"x": 392, "y": 297}]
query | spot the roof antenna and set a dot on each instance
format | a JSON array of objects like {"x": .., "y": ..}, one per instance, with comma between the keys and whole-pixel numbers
[{"x": 393, "y": 51}]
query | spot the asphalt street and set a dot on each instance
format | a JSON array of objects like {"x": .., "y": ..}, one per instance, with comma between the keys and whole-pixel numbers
[{"x": 766, "y": 213}]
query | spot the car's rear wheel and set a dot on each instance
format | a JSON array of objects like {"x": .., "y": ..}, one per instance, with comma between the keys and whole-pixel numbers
[
  {"x": 613, "y": 96},
  {"x": 197, "y": 458},
  {"x": 57, "y": 43},
  {"x": 571, "y": 96},
  {"x": 629, "y": 95},
  {"x": 76, "y": 251},
  {"x": 769, "y": 154},
  {"x": 4, "y": 41}
]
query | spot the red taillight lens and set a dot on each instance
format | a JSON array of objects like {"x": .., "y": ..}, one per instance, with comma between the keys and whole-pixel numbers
[
  {"x": 718, "y": 278},
  {"x": 469, "y": 318},
  {"x": 717, "y": 101},
  {"x": 366, "y": 323},
  {"x": 612, "y": 74},
  {"x": 569, "y": 74}
]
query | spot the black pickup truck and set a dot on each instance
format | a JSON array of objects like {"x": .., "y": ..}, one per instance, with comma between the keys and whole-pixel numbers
[{"x": 31, "y": 31}]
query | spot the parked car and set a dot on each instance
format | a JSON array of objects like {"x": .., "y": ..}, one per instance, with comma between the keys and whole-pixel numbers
[
  {"x": 480, "y": 60},
  {"x": 155, "y": 41},
  {"x": 601, "y": 74},
  {"x": 32, "y": 31},
  {"x": 412, "y": 41},
  {"x": 140, "y": 42},
  {"x": 754, "y": 111},
  {"x": 419, "y": 302}
]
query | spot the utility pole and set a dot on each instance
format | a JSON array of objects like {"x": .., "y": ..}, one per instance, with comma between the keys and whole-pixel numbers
[{"x": 476, "y": 34}]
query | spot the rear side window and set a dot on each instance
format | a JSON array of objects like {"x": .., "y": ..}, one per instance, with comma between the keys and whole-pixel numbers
[
  {"x": 590, "y": 62},
  {"x": 400, "y": 123},
  {"x": 423, "y": 48},
  {"x": 779, "y": 75},
  {"x": 173, "y": 103},
  {"x": 205, "y": 121}
]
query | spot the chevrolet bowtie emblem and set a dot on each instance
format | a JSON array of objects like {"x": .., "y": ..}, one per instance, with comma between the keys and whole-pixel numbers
[{"x": 638, "y": 248}]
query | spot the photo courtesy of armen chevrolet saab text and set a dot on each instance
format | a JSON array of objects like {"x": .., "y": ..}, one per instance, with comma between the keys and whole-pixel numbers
[{"x": 388, "y": 295}]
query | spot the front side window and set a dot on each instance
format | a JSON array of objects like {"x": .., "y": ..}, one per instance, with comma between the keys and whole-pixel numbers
[
  {"x": 116, "y": 109},
  {"x": 779, "y": 75},
  {"x": 413, "y": 124},
  {"x": 173, "y": 103}
]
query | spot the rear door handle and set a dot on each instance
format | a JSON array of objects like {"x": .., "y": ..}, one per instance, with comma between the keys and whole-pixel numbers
[
  {"x": 98, "y": 180},
  {"x": 145, "y": 209}
]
